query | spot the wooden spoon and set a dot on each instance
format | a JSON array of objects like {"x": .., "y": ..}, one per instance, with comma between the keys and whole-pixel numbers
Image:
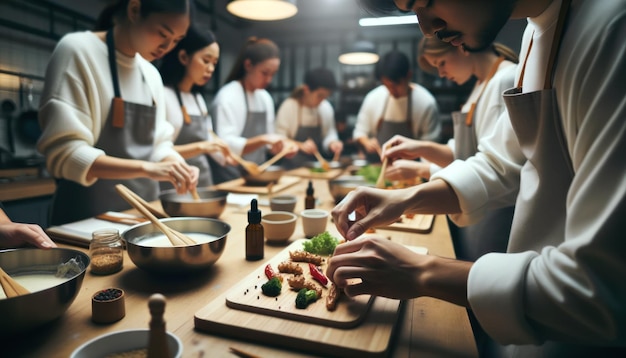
[
  {"x": 263, "y": 167},
  {"x": 194, "y": 194},
  {"x": 380, "y": 183},
  {"x": 10, "y": 286},
  {"x": 336, "y": 156},
  {"x": 175, "y": 237},
  {"x": 323, "y": 162},
  {"x": 250, "y": 167}
]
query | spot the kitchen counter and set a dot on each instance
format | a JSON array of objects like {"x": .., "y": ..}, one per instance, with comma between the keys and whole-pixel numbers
[
  {"x": 428, "y": 327},
  {"x": 24, "y": 183}
]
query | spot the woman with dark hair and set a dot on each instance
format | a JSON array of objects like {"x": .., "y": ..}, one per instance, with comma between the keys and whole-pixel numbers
[
  {"x": 314, "y": 128},
  {"x": 185, "y": 70},
  {"x": 103, "y": 110},
  {"x": 397, "y": 106},
  {"x": 243, "y": 110}
]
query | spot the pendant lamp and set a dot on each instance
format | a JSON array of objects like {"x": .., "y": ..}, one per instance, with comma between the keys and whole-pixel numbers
[
  {"x": 359, "y": 53},
  {"x": 262, "y": 10}
]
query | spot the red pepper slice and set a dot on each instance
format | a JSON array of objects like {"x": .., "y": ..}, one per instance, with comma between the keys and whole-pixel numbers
[
  {"x": 317, "y": 274},
  {"x": 269, "y": 272}
]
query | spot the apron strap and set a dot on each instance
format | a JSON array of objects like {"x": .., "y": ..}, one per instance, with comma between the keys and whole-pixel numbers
[
  {"x": 183, "y": 109},
  {"x": 492, "y": 72},
  {"x": 409, "y": 110},
  {"x": 118, "y": 102}
]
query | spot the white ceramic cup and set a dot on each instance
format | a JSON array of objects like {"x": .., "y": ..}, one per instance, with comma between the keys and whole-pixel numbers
[
  {"x": 283, "y": 203},
  {"x": 314, "y": 221}
]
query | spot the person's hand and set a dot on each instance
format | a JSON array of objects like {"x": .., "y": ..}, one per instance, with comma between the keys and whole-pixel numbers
[
  {"x": 211, "y": 146},
  {"x": 18, "y": 234},
  {"x": 336, "y": 147},
  {"x": 183, "y": 176},
  {"x": 372, "y": 207},
  {"x": 400, "y": 147},
  {"x": 308, "y": 146},
  {"x": 276, "y": 142},
  {"x": 291, "y": 147},
  {"x": 371, "y": 145},
  {"x": 384, "y": 268},
  {"x": 403, "y": 169}
]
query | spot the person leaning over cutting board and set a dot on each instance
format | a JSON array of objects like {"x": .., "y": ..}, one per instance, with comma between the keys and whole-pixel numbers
[
  {"x": 395, "y": 107},
  {"x": 102, "y": 110},
  {"x": 557, "y": 155},
  {"x": 243, "y": 110}
]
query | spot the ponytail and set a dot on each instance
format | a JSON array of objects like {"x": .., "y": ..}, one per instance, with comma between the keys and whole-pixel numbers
[
  {"x": 506, "y": 52},
  {"x": 112, "y": 11}
]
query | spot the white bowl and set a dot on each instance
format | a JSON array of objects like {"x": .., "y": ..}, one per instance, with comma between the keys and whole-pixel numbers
[
  {"x": 279, "y": 226},
  {"x": 124, "y": 341}
]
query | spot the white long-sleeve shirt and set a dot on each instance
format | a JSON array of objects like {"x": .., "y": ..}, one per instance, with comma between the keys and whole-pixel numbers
[
  {"x": 287, "y": 120},
  {"x": 424, "y": 116},
  {"x": 229, "y": 113},
  {"x": 76, "y": 101},
  {"x": 572, "y": 290}
]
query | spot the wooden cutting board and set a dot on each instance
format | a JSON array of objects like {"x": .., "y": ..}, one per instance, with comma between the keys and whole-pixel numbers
[
  {"x": 307, "y": 173},
  {"x": 239, "y": 185},
  {"x": 421, "y": 224},
  {"x": 247, "y": 296}
]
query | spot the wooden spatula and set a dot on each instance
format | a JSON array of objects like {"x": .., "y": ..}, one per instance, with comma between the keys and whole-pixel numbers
[
  {"x": 250, "y": 167},
  {"x": 10, "y": 286},
  {"x": 263, "y": 167}
]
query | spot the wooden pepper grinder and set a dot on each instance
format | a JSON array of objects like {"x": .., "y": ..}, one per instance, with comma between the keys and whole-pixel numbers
[{"x": 157, "y": 341}]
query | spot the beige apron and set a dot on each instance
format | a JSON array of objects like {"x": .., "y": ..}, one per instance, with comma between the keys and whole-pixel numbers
[
  {"x": 302, "y": 134},
  {"x": 128, "y": 133},
  {"x": 491, "y": 234},
  {"x": 256, "y": 124}
]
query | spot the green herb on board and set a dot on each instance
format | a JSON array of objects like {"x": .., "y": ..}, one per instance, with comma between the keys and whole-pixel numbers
[{"x": 322, "y": 244}]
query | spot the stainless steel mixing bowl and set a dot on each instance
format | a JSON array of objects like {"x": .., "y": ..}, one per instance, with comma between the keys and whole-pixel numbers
[
  {"x": 210, "y": 205},
  {"x": 179, "y": 259},
  {"x": 269, "y": 175},
  {"x": 21, "y": 313},
  {"x": 341, "y": 186}
]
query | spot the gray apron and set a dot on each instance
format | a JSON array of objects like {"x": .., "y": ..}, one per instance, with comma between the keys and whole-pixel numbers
[
  {"x": 385, "y": 129},
  {"x": 491, "y": 234},
  {"x": 195, "y": 128},
  {"x": 302, "y": 134},
  {"x": 256, "y": 124},
  {"x": 129, "y": 135}
]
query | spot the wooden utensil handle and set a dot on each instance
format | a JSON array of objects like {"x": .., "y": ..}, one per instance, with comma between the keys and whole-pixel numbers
[{"x": 10, "y": 286}]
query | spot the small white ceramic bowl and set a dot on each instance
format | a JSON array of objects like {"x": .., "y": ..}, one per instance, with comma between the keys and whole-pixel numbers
[
  {"x": 124, "y": 341},
  {"x": 279, "y": 226}
]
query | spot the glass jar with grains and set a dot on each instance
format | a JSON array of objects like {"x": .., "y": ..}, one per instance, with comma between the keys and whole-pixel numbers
[{"x": 106, "y": 251}]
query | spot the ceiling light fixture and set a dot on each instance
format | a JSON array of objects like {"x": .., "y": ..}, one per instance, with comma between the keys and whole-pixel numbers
[
  {"x": 388, "y": 20},
  {"x": 262, "y": 10},
  {"x": 359, "y": 53}
]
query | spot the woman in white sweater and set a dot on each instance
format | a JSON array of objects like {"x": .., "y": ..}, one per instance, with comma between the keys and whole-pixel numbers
[
  {"x": 243, "y": 110},
  {"x": 102, "y": 110},
  {"x": 185, "y": 71}
]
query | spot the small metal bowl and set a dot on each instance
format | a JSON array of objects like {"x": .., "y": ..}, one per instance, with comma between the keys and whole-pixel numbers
[
  {"x": 341, "y": 186},
  {"x": 210, "y": 205},
  {"x": 22, "y": 313},
  {"x": 269, "y": 175},
  {"x": 179, "y": 259}
]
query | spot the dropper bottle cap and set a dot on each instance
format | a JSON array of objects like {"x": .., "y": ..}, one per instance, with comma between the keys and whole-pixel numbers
[
  {"x": 254, "y": 214},
  {"x": 309, "y": 189}
]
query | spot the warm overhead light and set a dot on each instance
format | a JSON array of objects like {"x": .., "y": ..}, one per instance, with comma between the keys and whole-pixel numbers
[
  {"x": 360, "y": 53},
  {"x": 388, "y": 20},
  {"x": 263, "y": 10}
]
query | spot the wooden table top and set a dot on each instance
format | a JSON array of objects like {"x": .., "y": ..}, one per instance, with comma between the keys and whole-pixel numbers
[{"x": 428, "y": 328}]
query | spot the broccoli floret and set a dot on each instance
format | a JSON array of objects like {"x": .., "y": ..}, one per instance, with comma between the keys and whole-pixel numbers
[
  {"x": 322, "y": 244},
  {"x": 305, "y": 297},
  {"x": 272, "y": 287}
]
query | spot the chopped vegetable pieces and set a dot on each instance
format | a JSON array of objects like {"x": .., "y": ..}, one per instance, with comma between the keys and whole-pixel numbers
[
  {"x": 272, "y": 287},
  {"x": 305, "y": 297},
  {"x": 317, "y": 274}
]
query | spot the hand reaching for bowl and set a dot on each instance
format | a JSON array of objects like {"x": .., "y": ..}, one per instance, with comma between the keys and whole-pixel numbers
[
  {"x": 308, "y": 146},
  {"x": 403, "y": 169},
  {"x": 18, "y": 234},
  {"x": 184, "y": 177}
]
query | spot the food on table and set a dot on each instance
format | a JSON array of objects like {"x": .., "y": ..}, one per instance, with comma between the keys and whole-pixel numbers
[
  {"x": 270, "y": 273},
  {"x": 299, "y": 282},
  {"x": 303, "y": 256},
  {"x": 321, "y": 244},
  {"x": 333, "y": 297},
  {"x": 318, "y": 170},
  {"x": 371, "y": 173},
  {"x": 136, "y": 353},
  {"x": 290, "y": 267},
  {"x": 305, "y": 297},
  {"x": 317, "y": 274},
  {"x": 272, "y": 287}
]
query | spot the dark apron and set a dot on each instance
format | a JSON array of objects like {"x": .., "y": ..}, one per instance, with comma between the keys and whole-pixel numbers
[
  {"x": 491, "y": 234},
  {"x": 195, "y": 128},
  {"x": 385, "y": 129},
  {"x": 256, "y": 124},
  {"x": 129, "y": 135},
  {"x": 302, "y": 134}
]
